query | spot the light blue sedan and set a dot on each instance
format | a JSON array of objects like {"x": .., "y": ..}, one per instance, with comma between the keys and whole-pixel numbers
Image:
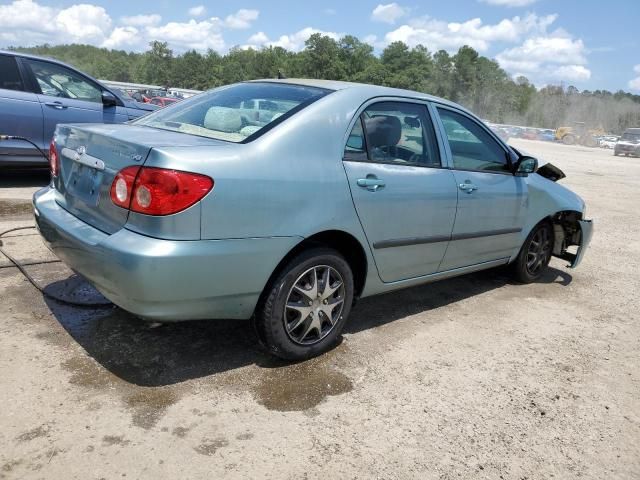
[{"x": 284, "y": 201}]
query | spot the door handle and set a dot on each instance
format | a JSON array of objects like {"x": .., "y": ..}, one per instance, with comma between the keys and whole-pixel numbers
[
  {"x": 371, "y": 183},
  {"x": 57, "y": 105},
  {"x": 467, "y": 187}
]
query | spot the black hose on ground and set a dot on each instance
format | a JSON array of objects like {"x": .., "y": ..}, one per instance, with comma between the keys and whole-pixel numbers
[{"x": 33, "y": 282}]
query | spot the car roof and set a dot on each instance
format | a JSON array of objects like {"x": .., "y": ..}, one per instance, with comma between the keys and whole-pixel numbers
[
  {"x": 36, "y": 57},
  {"x": 632, "y": 130},
  {"x": 371, "y": 90}
]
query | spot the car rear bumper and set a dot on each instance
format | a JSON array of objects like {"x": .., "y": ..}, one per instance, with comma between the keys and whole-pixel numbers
[{"x": 161, "y": 279}]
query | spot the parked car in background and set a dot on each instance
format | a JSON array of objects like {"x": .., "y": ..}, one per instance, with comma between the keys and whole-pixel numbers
[
  {"x": 38, "y": 93},
  {"x": 204, "y": 211},
  {"x": 546, "y": 135},
  {"x": 163, "y": 101},
  {"x": 629, "y": 143},
  {"x": 608, "y": 141}
]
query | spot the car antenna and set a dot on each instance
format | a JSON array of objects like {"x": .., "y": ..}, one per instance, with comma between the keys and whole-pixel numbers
[{"x": 281, "y": 76}]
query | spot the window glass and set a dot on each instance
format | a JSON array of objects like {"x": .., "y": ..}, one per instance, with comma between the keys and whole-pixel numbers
[
  {"x": 472, "y": 147},
  {"x": 402, "y": 133},
  {"x": 234, "y": 113},
  {"x": 57, "y": 81},
  {"x": 9, "y": 74},
  {"x": 356, "y": 148}
]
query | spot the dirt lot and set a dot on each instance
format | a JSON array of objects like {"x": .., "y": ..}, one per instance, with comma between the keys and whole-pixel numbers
[{"x": 474, "y": 377}]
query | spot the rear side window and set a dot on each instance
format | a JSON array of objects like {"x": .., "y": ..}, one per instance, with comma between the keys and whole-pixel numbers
[
  {"x": 471, "y": 145},
  {"x": 237, "y": 113},
  {"x": 394, "y": 132},
  {"x": 9, "y": 74}
]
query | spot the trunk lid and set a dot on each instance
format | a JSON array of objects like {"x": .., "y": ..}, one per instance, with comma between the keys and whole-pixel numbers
[{"x": 92, "y": 155}]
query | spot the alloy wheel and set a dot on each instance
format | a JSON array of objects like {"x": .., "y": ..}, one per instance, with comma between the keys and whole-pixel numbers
[
  {"x": 314, "y": 305},
  {"x": 539, "y": 252}
]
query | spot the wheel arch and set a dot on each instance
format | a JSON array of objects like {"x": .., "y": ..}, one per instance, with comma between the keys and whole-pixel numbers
[{"x": 343, "y": 242}]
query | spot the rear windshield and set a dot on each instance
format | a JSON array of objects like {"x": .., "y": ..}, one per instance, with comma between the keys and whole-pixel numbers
[
  {"x": 634, "y": 137},
  {"x": 237, "y": 113}
]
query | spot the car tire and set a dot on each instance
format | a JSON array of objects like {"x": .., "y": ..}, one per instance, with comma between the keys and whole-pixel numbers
[
  {"x": 535, "y": 254},
  {"x": 281, "y": 321}
]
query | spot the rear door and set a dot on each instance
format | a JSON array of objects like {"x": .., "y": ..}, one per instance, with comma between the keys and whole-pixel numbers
[
  {"x": 67, "y": 96},
  {"x": 492, "y": 202},
  {"x": 20, "y": 115},
  {"x": 405, "y": 200}
]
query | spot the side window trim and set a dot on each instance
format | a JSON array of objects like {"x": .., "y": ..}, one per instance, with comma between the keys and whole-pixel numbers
[
  {"x": 27, "y": 76},
  {"x": 374, "y": 100},
  {"x": 443, "y": 133},
  {"x": 20, "y": 73}
]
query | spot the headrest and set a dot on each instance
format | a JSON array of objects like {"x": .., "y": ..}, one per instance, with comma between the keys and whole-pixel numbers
[
  {"x": 383, "y": 130},
  {"x": 223, "y": 119}
]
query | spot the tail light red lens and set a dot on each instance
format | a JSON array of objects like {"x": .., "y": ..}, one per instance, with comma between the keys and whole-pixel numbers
[
  {"x": 122, "y": 186},
  {"x": 54, "y": 159},
  {"x": 158, "y": 191}
]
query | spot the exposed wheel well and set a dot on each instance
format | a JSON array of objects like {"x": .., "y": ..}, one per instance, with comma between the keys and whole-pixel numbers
[{"x": 345, "y": 243}]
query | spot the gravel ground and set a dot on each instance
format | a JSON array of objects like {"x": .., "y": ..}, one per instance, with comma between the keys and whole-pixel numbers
[{"x": 474, "y": 377}]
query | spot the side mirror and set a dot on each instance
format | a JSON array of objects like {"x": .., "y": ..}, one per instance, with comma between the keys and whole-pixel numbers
[
  {"x": 524, "y": 166},
  {"x": 109, "y": 99}
]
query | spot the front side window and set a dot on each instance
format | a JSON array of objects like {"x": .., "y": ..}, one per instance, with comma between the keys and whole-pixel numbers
[
  {"x": 234, "y": 113},
  {"x": 471, "y": 146},
  {"x": 394, "y": 132},
  {"x": 58, "y": 81},
  {"x": 9, "y": 75}
]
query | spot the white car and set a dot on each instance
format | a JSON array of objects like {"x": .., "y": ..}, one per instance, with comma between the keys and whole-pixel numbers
[{"x": 608, "y": 142}]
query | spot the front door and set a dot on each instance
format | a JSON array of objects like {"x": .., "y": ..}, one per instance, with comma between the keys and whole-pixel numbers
[
  {"x": 492, "y": 202},
  {"x": 68, "y": 97},
  {"x": 405, "y": 200}
]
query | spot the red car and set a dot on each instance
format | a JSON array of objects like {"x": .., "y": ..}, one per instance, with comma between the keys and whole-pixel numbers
[{"x": 163, "y": 101}]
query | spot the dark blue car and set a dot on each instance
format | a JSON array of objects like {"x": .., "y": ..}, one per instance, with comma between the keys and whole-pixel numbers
[{"x": 36, "y": 94}]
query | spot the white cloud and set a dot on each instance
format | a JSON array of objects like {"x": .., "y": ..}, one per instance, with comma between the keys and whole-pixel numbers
[
  {"x": 259, "y": 38},
  {"x": 388, "y": 13},
  {"x": 197, "y": 11},
  {"x": 509, "y": 3},
  {"x": 123, "y": 38},
  {"x": 242, "y": 19},
  {"x": 26, "y": 22},
  {"x": 555, "y": 57},
  {"x": 330, "y": 11},
  {"x": 141, "y": 20},
  {"x": 294, "y": 41},
  {"x": 437, "y": 34},
  {"x": 189, "y": 35},
  {"x": 634, "y": 83}
]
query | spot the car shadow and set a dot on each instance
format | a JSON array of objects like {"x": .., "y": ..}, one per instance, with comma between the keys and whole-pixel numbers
[
  {"x": 147, "y": 355},
  {"x": 20, "y": 178}
]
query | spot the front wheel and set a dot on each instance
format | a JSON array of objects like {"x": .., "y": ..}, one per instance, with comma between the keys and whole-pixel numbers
[
  {"x": 535, "y": 254},
  {"x": 304, "y": 309}
]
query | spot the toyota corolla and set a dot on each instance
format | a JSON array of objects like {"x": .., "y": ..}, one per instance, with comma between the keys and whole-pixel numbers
[{"x": 285, "y": 201}]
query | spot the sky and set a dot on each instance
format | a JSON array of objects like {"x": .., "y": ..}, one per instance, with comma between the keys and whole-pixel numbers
[{"x": 587, "y": 43}]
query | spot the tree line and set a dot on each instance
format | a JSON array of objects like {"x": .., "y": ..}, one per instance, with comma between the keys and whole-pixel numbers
[{"x": 466, "y": 77}]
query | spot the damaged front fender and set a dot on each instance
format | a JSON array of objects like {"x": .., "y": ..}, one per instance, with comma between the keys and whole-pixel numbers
[{"x": 570, "y": 230}]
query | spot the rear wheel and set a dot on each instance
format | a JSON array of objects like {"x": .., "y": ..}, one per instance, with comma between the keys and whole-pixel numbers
[
  {"x": 569, "y": 140},
  {"x": 303, "y": 310},
  {"x": 535, "y": 254}
]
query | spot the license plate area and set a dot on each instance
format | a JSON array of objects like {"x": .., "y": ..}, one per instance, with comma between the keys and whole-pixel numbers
[{"x": 84, "y": 183}]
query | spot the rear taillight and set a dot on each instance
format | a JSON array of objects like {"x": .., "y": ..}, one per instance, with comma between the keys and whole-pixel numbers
[
  {"x": 122, "y": 186},
  {"x": 54, "y": 159},
  {"x": 158, "y": 191}
]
